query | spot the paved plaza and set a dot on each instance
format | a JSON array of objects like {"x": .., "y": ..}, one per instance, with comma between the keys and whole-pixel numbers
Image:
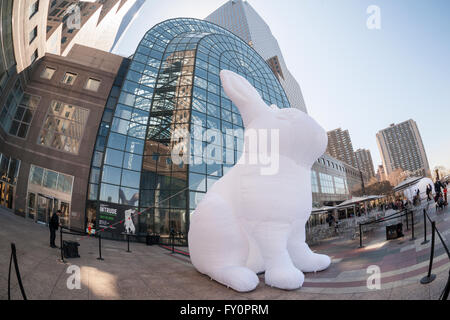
[{"x": 152, "y": 272}]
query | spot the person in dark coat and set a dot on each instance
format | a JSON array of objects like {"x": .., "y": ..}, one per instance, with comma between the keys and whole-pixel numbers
[
  {"x": 54, "y": 225},
  {"x": 438, "y": 186},
  {"x": 429, "y": 191}
]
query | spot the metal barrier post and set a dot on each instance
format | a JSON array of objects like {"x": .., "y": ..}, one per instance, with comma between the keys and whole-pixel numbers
[
  {"x": 61, "y": 244},
  {"x": 412, "y": 226},
  {"x": 446, "y": 290},
  {"x": 425, "y": 241},
  {"x": 360, "y": 236},
  {"x": 172, "y": 236},
  {"x": 19, "y": 278},
  {"x": 407, "y": 223},
  {"x": 128, "y": 241},
  {"x": 431, "y": 277},
  {"x": 100, "y": 247}
]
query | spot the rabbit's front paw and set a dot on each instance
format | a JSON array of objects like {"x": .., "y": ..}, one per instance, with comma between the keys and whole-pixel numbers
[
  {"x": 240, "y": 279},
  {"x": 288, "y": 278},
  {"x": 313, "y": 263},
  {"x": 306, "y": 260}
]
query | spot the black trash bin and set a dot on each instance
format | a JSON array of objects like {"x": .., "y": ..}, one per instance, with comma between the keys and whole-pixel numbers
[
  {"x": 394, "y": 231},
  {"x": 152, "y": 240},
  {"x": 70, "y": 249}
]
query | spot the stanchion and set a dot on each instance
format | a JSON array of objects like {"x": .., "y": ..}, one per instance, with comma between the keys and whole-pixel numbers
[
  {"x": 100, "y": 247},
  {"x": 407, "y": 221},
  {"x": 360, "y": 236},
  {"x": 413, "y": 238},
  {"x": 19, "y": 278},
  {"x": 446, "y": 290},
  {"x": 61, "y": 244},
  {"x": 425, "y": 241},
  {"x": 172, "y": 236},
  {"x": 128, "y": 242},
  {"x": 431, "y": 277}
]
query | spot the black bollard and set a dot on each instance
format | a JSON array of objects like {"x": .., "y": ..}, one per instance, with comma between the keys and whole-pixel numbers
[
  {"x": 128, "y": 241},
  {"x": 360, "y": 236},
  {"x": 412, "y": 227},
  {"x": 407, "y": 222},
  {"x": 61, "y": 244},
  {"x": 100, "y": 247},
  {"x": 446, "y": 290},
  {"x": 172, "y": 236},
  {"x": 431, "y": 277},
  {"x": 16, "y": 267},
  {"x": 425, "y": 241}
]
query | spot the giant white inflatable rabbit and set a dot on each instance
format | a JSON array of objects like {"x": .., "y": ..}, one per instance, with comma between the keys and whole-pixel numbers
[{"x": 249, "y": 223}]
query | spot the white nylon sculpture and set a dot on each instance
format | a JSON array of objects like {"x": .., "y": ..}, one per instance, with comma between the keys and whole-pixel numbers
[{"x": 249, "y": 223}]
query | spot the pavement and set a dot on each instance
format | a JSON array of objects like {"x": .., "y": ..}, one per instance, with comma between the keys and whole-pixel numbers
[{"x": 154, "y": 273}]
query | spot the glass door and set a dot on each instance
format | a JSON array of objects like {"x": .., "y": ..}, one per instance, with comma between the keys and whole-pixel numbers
[
  {"x": 65, "y": 216},
  {"x": 6, "y": 195},
  {"x": 44, "y": 209}
]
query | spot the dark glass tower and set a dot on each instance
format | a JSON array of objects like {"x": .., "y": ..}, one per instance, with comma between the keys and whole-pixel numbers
[{"x": 172, "y": 83}]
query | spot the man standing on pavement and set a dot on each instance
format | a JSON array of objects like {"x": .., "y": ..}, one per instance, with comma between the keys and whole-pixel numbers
[{"x": 54, "y": 225}]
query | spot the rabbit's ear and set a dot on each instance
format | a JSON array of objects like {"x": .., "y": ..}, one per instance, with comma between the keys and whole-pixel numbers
[{"x": 243, "y": 95}]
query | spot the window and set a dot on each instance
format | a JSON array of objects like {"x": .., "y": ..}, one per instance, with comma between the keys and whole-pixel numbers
[
  {"x": 92, "y": 85},
  {"x": 9, "y": 169},
  {"x": 69, "y": 78},
  {"x": 48, "y": 73},
  {"x": 63, "y": 127},
  {"x": 34, "y": 9},
  {"x": 15, "y": 117},
  {"x": 51, "y": 179},
  {"x": 34, "y": 56},
  {"x": 326, "y": 183},
  {"x": 33, "y": 35},
  {"x": 340, "y": 185},
  {"x": 314, "y": 183}
]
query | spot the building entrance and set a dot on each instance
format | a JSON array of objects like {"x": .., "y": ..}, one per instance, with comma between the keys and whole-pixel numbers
[
  {"x": 6, "y": 194},
  {"x": 44, "y": 209}
]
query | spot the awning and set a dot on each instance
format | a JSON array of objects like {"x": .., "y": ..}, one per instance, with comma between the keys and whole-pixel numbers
[
  {"x": 322, "y": 210},
  {"x": 407, "y": 184},
  {"x": 357, "y": 200}
]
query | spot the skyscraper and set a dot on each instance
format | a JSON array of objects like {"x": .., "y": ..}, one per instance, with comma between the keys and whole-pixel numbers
[
  {"x": 240, "y": 18},
  {"x": 99, "y": 24},
  {"x": 401, "y": 147},
  {"x": 340, "y": 146},
  {"x": 364, "y": 162}
]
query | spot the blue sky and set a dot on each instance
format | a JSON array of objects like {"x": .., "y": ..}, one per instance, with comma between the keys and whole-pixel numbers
[{"x": 352, "y": 77}]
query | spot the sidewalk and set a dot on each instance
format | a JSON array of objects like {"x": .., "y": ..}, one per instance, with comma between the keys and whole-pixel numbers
[{"x": 151, "y": 272}]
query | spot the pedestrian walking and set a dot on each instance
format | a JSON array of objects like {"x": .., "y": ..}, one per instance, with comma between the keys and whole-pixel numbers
[
  {"x": 445, "y": 195},
  {"x": 429, "y": 191}
]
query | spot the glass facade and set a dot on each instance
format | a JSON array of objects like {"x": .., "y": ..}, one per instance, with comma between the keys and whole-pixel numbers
[
  {"x": 17, "y": 112},
  {"x": 172, "y": 85},
  {"x": 7, "y": 59}
]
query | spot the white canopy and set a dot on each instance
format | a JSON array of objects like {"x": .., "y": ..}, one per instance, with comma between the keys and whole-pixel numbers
[{"x": 357, "y": 200}]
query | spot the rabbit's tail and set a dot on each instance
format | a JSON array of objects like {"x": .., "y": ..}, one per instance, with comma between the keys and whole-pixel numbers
[{"x": 218, "y": 245}]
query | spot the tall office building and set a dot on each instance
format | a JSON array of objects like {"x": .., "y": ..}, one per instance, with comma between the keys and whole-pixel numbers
[
  {"x": 380, "y": 174},
  {"x": 98, "y": 24},
  {"x": 364, "y": 162},
  {"x": 240, "y": 18},
  {"x": 340, "y": 146},
  {"x": 401, "y": 147}
]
